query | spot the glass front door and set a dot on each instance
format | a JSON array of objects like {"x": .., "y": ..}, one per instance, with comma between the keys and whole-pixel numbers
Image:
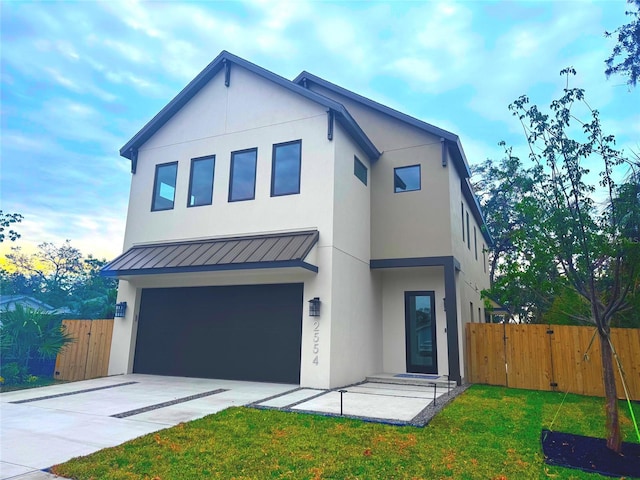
[{"x": 420, "y": 324}]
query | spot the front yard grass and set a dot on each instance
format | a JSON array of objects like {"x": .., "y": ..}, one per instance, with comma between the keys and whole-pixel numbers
[{"x": 486, "y": 433}]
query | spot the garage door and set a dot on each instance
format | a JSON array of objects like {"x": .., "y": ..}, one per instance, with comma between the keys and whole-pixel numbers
[{"x": 249, "y": 332}]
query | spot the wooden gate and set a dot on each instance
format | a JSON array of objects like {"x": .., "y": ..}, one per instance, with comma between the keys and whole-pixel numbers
[
  {"x": 88, "y": 356},
  {"x": 549, "y": 357}
]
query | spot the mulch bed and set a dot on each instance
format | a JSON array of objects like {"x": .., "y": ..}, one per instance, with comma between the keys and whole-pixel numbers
[{"x": 590, "y": 454}]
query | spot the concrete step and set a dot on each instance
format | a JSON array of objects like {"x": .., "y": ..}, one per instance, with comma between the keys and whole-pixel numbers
[{"x": 411, "y": 379}]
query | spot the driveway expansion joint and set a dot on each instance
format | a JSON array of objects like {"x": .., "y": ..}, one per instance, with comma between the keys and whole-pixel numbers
[
  {"x": 169, "y": 403},
  {"x": 66, "y": 394}
]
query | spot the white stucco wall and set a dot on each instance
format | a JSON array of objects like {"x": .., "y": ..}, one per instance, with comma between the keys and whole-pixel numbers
[
  {"x": 217, "y": 121},
  {"x": 406, "y": 224},
  {"x": 473, "y": 276},
  {"x": 356, "y": 321},
  {"x": 250, "y": 113}
]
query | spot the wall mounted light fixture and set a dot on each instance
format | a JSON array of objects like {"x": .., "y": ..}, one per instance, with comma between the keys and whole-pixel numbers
[
  {"x": 121, "y": 308},
  {"x": 314, "y": 307}
]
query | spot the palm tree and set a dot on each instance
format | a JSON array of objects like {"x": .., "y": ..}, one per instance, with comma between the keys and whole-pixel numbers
[{"x": 26, "y": 333}]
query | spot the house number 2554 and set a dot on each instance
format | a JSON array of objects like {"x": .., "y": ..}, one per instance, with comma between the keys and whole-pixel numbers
[{"x": 316, "y": 341}]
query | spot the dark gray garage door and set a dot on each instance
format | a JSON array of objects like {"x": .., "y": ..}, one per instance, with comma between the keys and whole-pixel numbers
[{"x": 250, "y": 332}]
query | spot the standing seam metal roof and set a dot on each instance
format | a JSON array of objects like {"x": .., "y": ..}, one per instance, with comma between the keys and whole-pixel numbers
[{"x": 256, "y": 251}]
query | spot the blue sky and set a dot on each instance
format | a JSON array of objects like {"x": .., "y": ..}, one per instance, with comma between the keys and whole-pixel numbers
[{"x": 79, "y": 79}]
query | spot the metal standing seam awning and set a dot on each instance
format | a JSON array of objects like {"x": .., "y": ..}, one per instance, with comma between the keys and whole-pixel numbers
[{"x": 279, "y": 250}]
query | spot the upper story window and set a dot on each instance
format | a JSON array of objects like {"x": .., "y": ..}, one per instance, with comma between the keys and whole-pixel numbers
[
  {"x": 359, "y": 170},
  {"x": 462, "y": 217},
  {"x": 285, "y": 168},
  {"x": 201, "y": 181},
  {"x": 164, "y": 186},
  {"x": 484, "y": 258},
  {"x": 242, "y": 182},
  {"x": 475, "y": 241},
  {"x": 406, "y": 179},
  {"x": 468, "y": 236}
]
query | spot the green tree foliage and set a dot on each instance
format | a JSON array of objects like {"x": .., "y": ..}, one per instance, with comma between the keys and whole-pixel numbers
[
  {"x": 54, "y": 269},
  {"x": 625, "y": 58},
  {"x": 506, "y": 190},
  {"x": 26, "y": 334},
  {"x": 60, "y": 276},
  {"x": 6, "y": 220},
  {"x": 572, "y": 241}
]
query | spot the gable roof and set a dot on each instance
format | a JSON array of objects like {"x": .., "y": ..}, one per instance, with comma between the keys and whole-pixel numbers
[
  {"x": 451, "y": 139},
  {"x": 341, "y": 115}
]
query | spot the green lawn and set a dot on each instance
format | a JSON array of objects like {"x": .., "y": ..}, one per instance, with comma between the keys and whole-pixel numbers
[{"x": 486, "y": 433}]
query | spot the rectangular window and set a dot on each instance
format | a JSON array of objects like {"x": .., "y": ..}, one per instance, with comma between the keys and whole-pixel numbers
[
  {"x": 462, "y": 218},
  {"x": 242, "y": 182},
  {"x": 406, "y": 179},
  {"x": 479, "y": 317},
  {"x": 285, "y": 168},
  {"x": 164, "y": 186},
  {"x": 201, "y": 181},
  {"x": 475, "y": 241},
  {"x": 484, "y": 258},
  {"x": 468, "y": 236},
  {"x": 359, "y": 170}
]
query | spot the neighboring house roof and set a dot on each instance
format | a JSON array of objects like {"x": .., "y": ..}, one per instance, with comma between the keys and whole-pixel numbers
[
  {"x": 8, "y": 302},
  {"x": 452, "y": 140},
  {"x": 278, "y": 250},
  {"x": 342, "y": 116}
]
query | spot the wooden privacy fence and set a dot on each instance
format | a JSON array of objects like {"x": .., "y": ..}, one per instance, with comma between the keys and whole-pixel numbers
[
  {"x": 549, "y": 357},
  {"x": 88, "y": 356}
]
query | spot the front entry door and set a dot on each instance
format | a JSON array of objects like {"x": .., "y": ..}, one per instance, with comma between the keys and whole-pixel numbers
[{"x": 420, "y": 328}]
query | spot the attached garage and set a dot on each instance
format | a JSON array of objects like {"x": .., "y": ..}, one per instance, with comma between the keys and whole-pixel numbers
[{"x": 245, "y": 332}]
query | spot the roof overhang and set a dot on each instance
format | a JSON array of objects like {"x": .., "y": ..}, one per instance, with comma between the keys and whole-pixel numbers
[
  {"x": 252, "y": 252},
  {"x": 224, "y": 61},
  {"x": 451, "y": 139},
  {"x": 476, "y": 210}
]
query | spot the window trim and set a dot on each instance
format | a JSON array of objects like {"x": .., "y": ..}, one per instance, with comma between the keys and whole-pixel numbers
[
  {"x": 356, "y": 163},
  {"x": 155, "y": 186},
  {"x": 273, "y": 167},
  {"x": 419, "y": 178},
  {"x": 213, "y": 176},
  {"x": 255, "y": 173}
]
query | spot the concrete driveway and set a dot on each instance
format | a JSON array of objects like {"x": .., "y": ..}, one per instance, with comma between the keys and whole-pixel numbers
[{"x": 45, "y": 426}]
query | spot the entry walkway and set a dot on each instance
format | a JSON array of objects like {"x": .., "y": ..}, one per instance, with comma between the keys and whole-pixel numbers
[{"x": 394, "y": 403}]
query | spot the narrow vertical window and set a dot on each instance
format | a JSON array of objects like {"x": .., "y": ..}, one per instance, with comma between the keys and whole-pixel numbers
[
  {"x": 201, "y": 181},
  {"x": 484, "y": 258},
  {"x": 468, "y": 235},
  {"x": 462, "y": 220},
  {"x": 359, "y": 170},
  {"x": 471, "y": 311},
  {"x": 164, "y": 186},
  {"x": 475, "y": 241},
  {"x": 242, "y": 182},
  {"x": 285, "y": 168},
  {"x": 479, "y": 316}
]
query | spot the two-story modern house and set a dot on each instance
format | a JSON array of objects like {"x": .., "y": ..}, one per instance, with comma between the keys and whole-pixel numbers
[{"x": 294, "y": 231}]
